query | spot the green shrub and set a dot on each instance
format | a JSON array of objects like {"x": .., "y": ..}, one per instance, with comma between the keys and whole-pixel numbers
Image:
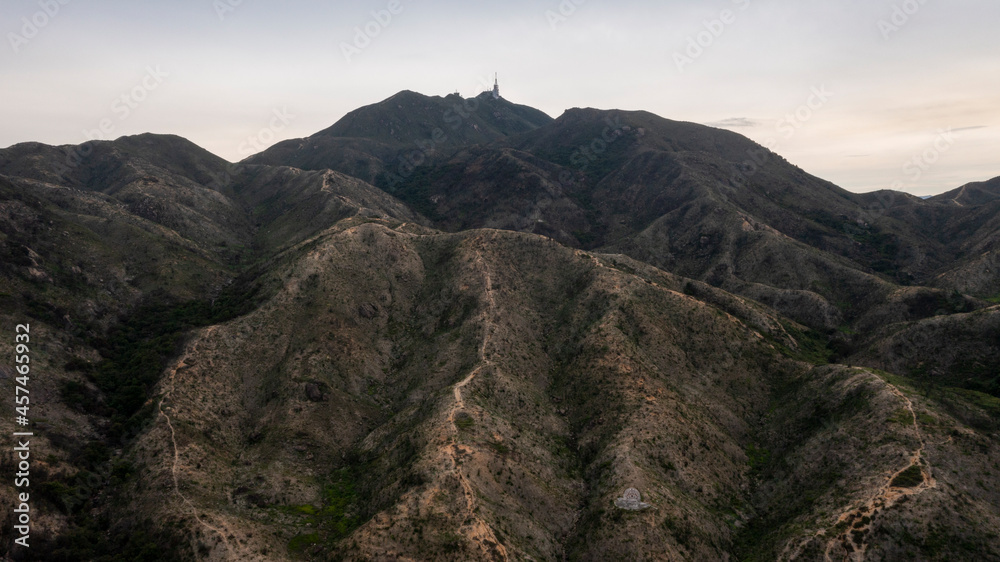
[{"x": 909, "y": 478}]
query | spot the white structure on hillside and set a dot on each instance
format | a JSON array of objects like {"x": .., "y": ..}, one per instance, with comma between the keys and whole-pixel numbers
[
  {"x": 496, "y": 87},
  {"x": 631, "y": 500}
]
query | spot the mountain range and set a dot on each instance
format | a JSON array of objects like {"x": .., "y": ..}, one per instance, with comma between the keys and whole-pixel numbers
[{"x": 452, "y": 328}]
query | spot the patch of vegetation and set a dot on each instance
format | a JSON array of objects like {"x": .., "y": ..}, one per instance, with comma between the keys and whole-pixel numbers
[
  {"x": 909, "y": 478},
  {"x": 97, "y": 540},
  {"x": 901, "y": 416},
  {"x": 680, "y": 530},
  {"x": 813, "y": 347},
  {"x": 943, "y": 543},
  {"x": 463, "y": 420},
  {"x": 881, "y": 252},
  {"x": 989, "y": 404},
  {"x": 305, "y": 509},
  {"x": 81, "y": 398},
  {"x": 334, "y": 519},
  {"x": 299, "y": 543},
  {"x": 451, "y": 542},
  {"x": 136, "y": 351},
  {"x": 417, "y": 188},
  {"x": 586, "y": 238},
  {"x": 877, "y": 249},
  {"x": 972, "y": 407},
  {"x": 758, "y": 457},
  {"x": 134, "y": 354},
  {"x": 895, "y": 380}
]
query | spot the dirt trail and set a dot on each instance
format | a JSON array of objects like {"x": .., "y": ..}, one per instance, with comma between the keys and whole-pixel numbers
[
  {"x": 955, "y": 198},
  {"x": 479, "y": 532},
  {"x": 854, "y": 541},
  {"x": 222, "y": 531}
]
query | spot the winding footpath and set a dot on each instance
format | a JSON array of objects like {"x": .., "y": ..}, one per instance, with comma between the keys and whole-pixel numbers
[
  {"x": 478, "y": 531},
  {"x": 175, "y": 466},
  {"x": 859, "y": 521}
]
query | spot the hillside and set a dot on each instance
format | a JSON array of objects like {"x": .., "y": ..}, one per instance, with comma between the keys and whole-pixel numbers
[
  {"x": 317, "y": 354},
  {"x": 554, "y": 384},
  {"x": 680, "y": 196},
  {"x": 385, "y": 140}
]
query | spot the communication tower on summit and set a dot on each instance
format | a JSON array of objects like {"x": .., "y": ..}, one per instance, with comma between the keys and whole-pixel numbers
[{"x": 496, "y": 87}]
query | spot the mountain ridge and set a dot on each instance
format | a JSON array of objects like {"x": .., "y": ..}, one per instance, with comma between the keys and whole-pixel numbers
[{"x": 263, "y": 361}]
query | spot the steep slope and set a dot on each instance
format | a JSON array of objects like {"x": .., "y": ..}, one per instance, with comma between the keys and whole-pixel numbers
[
  {"x": 702, "y": 202},
  {"x": 165, "y": 179},
  {"x": 965, "y": 222},
  {"x": 288, "y": 205},
  {"x": 961, "y": 350},
  {"x": 680, "y": 196},
  {"x": 108, "y": 288},
  {"x": 489, "y": 394}
]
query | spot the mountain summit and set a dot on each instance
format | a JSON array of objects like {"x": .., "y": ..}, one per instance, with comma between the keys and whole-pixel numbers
[{"x": 387, "y": 137}]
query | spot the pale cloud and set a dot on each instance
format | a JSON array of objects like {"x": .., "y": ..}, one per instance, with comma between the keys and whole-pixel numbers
[{"x": 734, "y": 122}]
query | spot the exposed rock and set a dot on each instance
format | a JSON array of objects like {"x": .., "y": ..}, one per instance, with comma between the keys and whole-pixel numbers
[
  {"x": 368, "y": 310},
  {"x": 313, "y": 392}
]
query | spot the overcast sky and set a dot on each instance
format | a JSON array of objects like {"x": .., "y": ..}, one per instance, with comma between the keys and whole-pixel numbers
[{"x": 869, "y": 94}]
